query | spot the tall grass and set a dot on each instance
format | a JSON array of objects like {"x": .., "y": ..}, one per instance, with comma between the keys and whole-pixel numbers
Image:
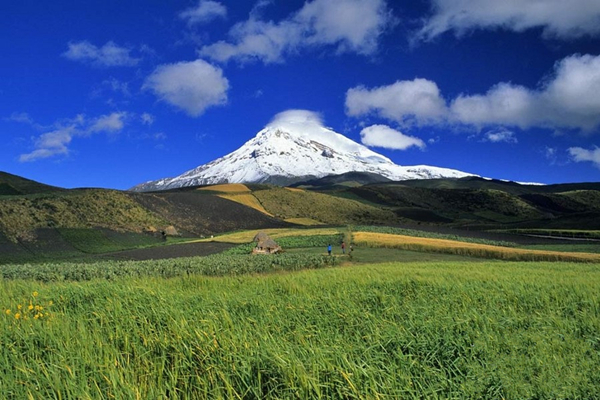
[
  {"x": 429, "y": 330},
  {"x": 214, "y": 265}
]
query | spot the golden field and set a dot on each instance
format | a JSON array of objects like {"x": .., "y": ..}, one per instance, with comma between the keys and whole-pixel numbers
[{"x": 471, "y": 249}]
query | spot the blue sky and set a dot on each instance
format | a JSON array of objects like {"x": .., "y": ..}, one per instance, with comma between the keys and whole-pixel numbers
[{"x": 115, "y": 93}]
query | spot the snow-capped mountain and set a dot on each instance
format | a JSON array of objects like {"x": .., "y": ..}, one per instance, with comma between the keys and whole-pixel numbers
[{"x": 292, "y": 148}]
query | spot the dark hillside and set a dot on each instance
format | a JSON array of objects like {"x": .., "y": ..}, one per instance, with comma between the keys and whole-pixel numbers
[
  {"x": 445, "y": 205},
  {"x": 11, "y": 185},
  {"x": 568, "y": 202},
  {"x": 349, "y": 179},
  {"x": 470, "y": 182},
  {"x": 202, "y": 214},
  {"x": 494, "y": 184}
]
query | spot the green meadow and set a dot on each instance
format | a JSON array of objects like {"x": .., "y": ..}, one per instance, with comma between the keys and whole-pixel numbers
[{"x": 434, "y": 329}]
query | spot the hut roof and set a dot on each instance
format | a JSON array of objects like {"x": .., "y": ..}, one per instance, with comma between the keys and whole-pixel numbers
[
  {"x": 263, "y": 240},
  {"x": 260, "y": 236}
]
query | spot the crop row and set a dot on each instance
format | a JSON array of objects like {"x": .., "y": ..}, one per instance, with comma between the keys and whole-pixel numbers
[
  {"x": 214, "y": 265},
  {"x": 432, "y": 235}
]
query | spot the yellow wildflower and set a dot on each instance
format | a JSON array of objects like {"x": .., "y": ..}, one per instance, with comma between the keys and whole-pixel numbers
[
  {"x": 7, "y": 312},
  {"x": 19, "y": 307},
  {"x": 30, "y": 307},
  {"x": 50, "y": 303},
  {"x": 17, "y": 315},
  {"x": 35, "y": 294},
  {"x": 36, "y": 316}
]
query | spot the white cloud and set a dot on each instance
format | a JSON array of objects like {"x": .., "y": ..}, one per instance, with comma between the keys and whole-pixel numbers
[
  {"x": 579, "y": 154},
  {"x": 55, "y": 142},
  {"x": 418, "y": 99},
  {"x": 20, "y": 117},
  {"x": 109, "y": 55},
  {"x": 558, "y": 18},
  {"x": 51, "y": 144},
  {"x": 147, "y": 119},
  {"x": 551, "y": 154},
  {"x": 349, "y": 25},
  {"x": 386, "y": 137},
  {"x": 572, "y": 96},
  {"x": 568, "y": 99},
  {"x": 291, "y": 120},
  {"x": 503, "y": 104},
  {"x": 500, "y": 135},
  {"x": 108, "y": 123},
  {"x": 192, "y": 86},
  {"x": 117, "y": 86},
  {"x": 205, "y": 11}
]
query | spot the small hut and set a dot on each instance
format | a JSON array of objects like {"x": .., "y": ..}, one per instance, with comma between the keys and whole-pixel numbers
[{"x": 265, "y": 245}]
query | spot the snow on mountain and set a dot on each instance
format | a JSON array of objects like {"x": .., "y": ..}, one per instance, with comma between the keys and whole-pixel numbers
[{"x": 295, "y": 147}]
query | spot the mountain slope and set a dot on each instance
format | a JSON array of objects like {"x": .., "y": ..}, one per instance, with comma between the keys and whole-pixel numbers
[
  {"x": 11, "y": 185},
  {"x": 291, "y": 149}
]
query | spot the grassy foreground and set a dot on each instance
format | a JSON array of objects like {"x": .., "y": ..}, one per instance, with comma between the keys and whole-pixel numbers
[{"x": 466, "y": 330}]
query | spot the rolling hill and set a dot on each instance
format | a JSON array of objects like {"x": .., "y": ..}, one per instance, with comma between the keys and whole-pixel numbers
[
  {"x": 39, "y": 218},
  {"x": 12, "y": 185}
]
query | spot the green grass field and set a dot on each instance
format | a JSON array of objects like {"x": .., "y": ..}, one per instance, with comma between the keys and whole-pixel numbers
[
  {"x": 382, "y": 323},
  {"x": 395, "y": 330}
]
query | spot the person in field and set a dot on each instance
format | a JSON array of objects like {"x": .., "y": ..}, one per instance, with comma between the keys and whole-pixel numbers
[
  {"x": 343, "y": 248},
  {"x": 329, "y": 249}
]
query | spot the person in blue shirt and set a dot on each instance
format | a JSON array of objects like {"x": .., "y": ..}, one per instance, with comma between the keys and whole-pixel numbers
[{"x": 329, "y": 249}]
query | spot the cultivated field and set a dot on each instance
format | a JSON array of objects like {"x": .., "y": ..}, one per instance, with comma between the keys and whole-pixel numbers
[{"x": 370, "y": 239}]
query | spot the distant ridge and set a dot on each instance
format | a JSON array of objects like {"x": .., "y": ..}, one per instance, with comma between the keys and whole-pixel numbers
[
  {"x": 475, "y": 182},
  {"x": 343, "y": 180}
]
